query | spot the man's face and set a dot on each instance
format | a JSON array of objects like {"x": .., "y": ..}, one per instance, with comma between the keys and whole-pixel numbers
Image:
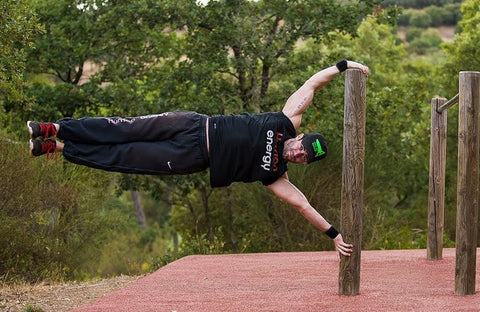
[{"x": 294, "y": 151}]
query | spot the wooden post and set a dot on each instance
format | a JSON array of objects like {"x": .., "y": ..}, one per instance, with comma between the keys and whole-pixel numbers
[
  {"x": 467, "y": 182},
  {"x": 436, "y": 194},
  {"x": 352, "y": 179}
]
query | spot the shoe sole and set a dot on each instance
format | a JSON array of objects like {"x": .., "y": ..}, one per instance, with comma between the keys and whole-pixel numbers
[
  {"x": 30, "y": 130},
  {"x": 30, "y": 146}
]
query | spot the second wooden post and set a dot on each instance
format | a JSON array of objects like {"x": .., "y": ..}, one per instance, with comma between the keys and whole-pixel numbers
[{"x": 436, "y": 198}]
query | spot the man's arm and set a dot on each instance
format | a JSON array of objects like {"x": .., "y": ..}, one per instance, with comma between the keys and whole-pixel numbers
[
  {"x": 301, "y": 99},
  {"x": 289, "y": 193}
]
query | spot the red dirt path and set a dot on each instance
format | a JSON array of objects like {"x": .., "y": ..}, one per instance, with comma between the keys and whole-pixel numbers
[{"x": 398, "y": 280}]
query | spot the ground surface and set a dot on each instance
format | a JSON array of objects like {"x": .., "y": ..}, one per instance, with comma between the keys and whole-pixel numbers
[
  {"x": 58, "y": 297},
  {"x": 400, "y": 280}
]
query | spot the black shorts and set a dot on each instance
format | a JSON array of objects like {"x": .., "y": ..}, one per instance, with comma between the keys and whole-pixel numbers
[{"x": 161, "y": 144}]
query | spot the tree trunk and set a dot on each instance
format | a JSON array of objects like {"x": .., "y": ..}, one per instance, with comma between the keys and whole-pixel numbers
[
  {"x": 207, "y": 213},
  {"x": 138, "y": 209},
  {"x": 231, "y": 228},
  {"x": 170, "y": 208}
]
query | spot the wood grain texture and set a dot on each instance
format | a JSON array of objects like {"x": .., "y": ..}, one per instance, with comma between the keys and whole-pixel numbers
[
  {"x": 467, "y": 182},
  {"x": 353, "y": 179},
  {"x": 436, "y": 196}
]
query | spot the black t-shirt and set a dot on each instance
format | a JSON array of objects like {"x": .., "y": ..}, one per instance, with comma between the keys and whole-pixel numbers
[{"x": 248, "y": 147}]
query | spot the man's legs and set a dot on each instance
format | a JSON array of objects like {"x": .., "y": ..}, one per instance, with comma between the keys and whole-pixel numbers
[
  {"x": 169, "y": 143},
  {"x": 114, "y": 130},
  {"x": 155, "y": 158}
]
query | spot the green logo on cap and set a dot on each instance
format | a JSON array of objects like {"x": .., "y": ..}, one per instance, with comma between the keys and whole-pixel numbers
[{"x": 317, "y": 148}]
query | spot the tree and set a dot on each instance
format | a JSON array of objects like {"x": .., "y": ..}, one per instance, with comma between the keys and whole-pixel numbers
[
  {"x": 117, "y": 38},
  {"x": 429, "y": 40},
  {"x": 18, "y": 28},
  {"x": 420, "y": 19},
  {"x": 234, "y": 47},
  {"x": 464, "y": 52}
]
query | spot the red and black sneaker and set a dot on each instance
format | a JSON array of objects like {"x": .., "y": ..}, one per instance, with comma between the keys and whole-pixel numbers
[
  {"x": 41, "y": 147},
  {"x": 41, "y": 129}
]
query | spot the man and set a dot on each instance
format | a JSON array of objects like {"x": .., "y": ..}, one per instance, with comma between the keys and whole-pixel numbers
[{"x": 237, "y": 148}]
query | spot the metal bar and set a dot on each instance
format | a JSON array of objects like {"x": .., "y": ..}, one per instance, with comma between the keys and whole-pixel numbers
[{"x": 447, "y": 105}]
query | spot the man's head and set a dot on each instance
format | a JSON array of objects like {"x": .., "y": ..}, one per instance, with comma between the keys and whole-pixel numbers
[
  {"x": 315, "y": 145},
  {"x": 305, "y": 148}
]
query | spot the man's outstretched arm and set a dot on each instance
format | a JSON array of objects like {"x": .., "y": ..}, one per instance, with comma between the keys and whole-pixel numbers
[
  {"x": 289, "y": 193},
  {"x": 298, "y": 102}
]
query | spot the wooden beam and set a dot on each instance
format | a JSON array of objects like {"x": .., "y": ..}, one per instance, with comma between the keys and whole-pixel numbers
[
  {"x": 352, "y": 179},
  {"x": 467, "y": 182},
  {"x": 436, "y": 194}
]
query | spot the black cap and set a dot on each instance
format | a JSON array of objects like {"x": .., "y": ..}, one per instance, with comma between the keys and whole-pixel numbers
[{"x": 315, "y": 145}]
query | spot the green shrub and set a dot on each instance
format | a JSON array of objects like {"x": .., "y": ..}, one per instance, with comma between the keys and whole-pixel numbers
[
  {"x": 32, "y": 204},
  {"x": 127, "y": 250},
  {"x": 31, "y": 308},
  {"x": 191, "y": 245},
  {"x": 420, "y": 4},
  {"x": 407, "y": 238},
  {"x": 420, "y": 19},
  {"x": 428, "y": 41},
  {"x": 413, "y": 33},
  {"x": 49, "y": 212},
  {"x": 437, "y": 15},
  {"x": 404, "y": 18}
]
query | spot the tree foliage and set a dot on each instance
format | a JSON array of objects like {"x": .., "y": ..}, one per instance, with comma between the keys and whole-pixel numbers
[
  {"x": 419, "y": 4},
  {"x": 233, "y": 48},
  {"x": 432, "y": 16},
  {"x": 46, "y": 219},
  {"x": 463, "y": 53},
  {"x": 18, "y": 28}
]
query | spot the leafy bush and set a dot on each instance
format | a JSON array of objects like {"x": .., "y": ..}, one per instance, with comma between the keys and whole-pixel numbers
[
  {"x": 429, "y": 40},
  {"x": 420, "y": 19},
  {"x": 437, "y": 15},
  {"x": 58, "y": 218},
  {"x": 413, "y": 33},
  {"x": 407, "y": 238},
  {"x": 448, "y": 15},
  {"x": 420, "y": 4},
  {"x": 452, "y": 14},
  {"x": 432, "y": 16},
  {"x": 404, "y": 18},
  {"x": 31, "y": 308},
  {"x": 124, "y": 249},
  {"x": 33, "y": 209},
  {"x": 191, "y": 245}
]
